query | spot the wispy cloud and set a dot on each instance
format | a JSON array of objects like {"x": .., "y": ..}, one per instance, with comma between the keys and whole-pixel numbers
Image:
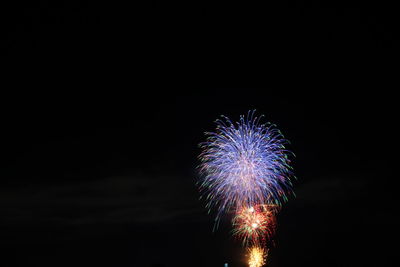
[{"x": 121, "y": 199}]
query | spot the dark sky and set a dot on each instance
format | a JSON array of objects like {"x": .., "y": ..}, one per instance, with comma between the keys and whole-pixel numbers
[{"x": 104, "y": 105}]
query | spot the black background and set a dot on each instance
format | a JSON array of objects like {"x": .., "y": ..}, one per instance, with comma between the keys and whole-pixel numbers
[{"x": 99, "y": 148}]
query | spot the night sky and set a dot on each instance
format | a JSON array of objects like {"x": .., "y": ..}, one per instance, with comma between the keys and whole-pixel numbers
[{"x": 104, "y": 106}]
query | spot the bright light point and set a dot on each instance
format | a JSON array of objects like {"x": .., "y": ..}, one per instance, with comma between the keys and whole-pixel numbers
[
  {"x": 254, "y": 225},
  {"x": 251, "y": 209}
]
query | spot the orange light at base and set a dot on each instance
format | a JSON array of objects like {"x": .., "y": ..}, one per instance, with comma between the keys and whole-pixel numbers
[{"x": 257, "y": 256}]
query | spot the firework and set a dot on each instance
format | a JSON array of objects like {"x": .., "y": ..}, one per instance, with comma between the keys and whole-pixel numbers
[
  {"x": 255, "y": 225},
  {"x": 246, "y": 170},
  {"x": 244, "y": 164},
  {"x": 257, "y": 256}
]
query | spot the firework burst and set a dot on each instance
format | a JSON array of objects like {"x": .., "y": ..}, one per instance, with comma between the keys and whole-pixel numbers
[
  {"x": 257, "y": 256},
  {"x": 246, "y": 170},
  {"x": 244, "y": 164},
  {"x": 255, "y": 225}
]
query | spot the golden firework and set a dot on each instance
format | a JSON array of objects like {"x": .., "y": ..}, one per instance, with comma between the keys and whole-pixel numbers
[{"x": 257, "y": 256}]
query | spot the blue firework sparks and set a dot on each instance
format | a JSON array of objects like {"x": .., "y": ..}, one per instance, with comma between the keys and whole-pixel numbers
[{"x": 244, "y": 164}]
